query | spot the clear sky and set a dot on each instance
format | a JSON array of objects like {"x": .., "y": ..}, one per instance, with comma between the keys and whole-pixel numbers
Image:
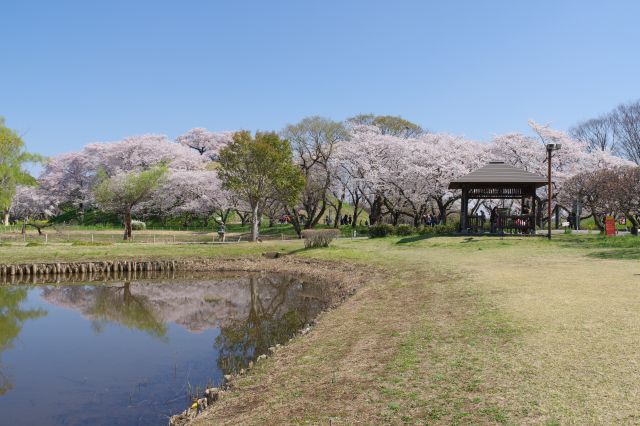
[{"x": 74, "y": 72}]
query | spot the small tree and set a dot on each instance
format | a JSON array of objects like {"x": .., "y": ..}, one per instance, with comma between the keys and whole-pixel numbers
[
  {"x": 258, "y": 170},
  {"x": 12, "y": 172},
  {"x": 121, "y": 193}
]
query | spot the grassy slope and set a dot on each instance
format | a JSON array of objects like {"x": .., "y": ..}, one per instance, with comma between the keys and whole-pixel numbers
[{"x": 461, "y": 330}]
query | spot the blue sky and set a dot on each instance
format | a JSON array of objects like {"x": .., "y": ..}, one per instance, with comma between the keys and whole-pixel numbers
[{"x": 74, "y": 72}]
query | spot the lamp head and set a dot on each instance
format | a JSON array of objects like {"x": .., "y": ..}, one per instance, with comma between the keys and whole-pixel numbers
[{"x": 553, "y": 146}]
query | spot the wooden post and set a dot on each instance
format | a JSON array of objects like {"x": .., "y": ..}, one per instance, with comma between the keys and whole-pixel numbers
[
  {"x": 534, "y": 211},
  {"x": 464, "y": 206},
  {"x": 550, "y": 192}
]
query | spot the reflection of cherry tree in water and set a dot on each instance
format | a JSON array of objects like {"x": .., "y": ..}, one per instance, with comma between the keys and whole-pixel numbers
[
  {"x": 12, "y": 319},
  {"x": 269, "y": 321},
  {"x": 118, "y": 304}
]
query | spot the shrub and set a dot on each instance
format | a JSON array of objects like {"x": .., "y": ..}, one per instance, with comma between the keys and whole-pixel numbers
[
  {"x": 404, "y": 230},
  {"x": 439, "y": 229},
  {"x": 381, "y": 230},
  {"x": 138, "y": 225},
  {"x": 319, "y": 237},
  {"x": 568, "y": 231},
  {"x": 346, "y": 231}
]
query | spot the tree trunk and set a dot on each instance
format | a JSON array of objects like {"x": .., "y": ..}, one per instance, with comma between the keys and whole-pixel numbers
[
  {"x": 224, "y": 215},
  {"x": 395, "y": 217},
  {"x": 243, "y": 217},
  {"x": 336, "y": 222},
  {"x": 356, "y": 213},
  {"x": 442, "y": 212},
  {"x": 634, "y": 223},
  {"x": 81, "y": 213},
  {"x": 599, "y": 222},
  {"x": 417, "y": 219},
  {"x": 314, "y": 218},
  {"x": 6, "y": 218},
  {"x": 255, "y": 224},
  {"x": 295, "y": 220},
  {"x": 376, "y": 210},
  {"x": 127, "y": 225}
]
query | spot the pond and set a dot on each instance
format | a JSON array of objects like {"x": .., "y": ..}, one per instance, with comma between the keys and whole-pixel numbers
[{"x": 132, "y": 352}]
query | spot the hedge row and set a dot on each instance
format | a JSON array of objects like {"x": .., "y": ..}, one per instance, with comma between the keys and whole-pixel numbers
[{"x": 384, "y": 230}]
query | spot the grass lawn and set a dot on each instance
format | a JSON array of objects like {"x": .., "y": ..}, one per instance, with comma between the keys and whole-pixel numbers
[
  {"x": 113, "y": 235},
  {"x": 453, "y": 330}
]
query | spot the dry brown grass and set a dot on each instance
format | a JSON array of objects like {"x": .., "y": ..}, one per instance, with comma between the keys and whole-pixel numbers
[{"x": 481, "y": 332}]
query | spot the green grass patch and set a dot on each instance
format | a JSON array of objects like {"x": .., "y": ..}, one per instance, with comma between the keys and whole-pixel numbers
[{"x": 78, "y": 243}]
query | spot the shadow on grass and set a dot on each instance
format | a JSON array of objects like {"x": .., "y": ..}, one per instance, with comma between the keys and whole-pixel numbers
[
  {"x": 302, "y": 250},
  {"x": 466, "y": 239},
  {"x": 414, "y": 238},
  {"x": 624, "y": 253}
]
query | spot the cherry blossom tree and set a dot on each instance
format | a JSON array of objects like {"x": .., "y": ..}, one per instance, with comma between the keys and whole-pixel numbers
[
  {"x": 32, "y": 205},
  {"x": 137, "y": 153},
  {"x": 204, "y": 142},
  {"x": 71, "y": 177},
  {"x": 407, "y": 174},
  {"x": 191, "y": 192}
]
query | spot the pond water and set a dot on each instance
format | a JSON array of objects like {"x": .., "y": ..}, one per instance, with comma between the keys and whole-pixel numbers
[{"x": 131, "y": 352}]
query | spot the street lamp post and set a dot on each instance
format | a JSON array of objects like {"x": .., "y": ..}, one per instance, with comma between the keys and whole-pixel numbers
[{"x": 550, "y": 148}]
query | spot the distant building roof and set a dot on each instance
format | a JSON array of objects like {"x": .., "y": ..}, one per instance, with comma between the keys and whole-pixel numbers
[{"x": 500, "y": 174}]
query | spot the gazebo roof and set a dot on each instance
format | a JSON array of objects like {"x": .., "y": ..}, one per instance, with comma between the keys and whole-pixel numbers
[{"x": 498, "y": 173}]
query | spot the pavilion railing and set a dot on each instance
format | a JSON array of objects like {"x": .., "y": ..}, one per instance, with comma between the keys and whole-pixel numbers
[
  {"x": 501, "y": 224},
  {"x": 515, "y": 223}
]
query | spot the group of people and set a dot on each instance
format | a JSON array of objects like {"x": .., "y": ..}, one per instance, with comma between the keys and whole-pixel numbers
[
  {"x": 501, "y": 220},
  {"x": 345, "y": 220},
  {"x": 428, "y": 220},
  {"x": 285, "y": 219}
]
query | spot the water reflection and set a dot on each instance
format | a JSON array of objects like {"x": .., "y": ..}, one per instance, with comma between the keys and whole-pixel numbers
[
  {"x": 111, "y": 303},
  {"x": 127, "y": 351},
  {"x": 269, "y": 319},
  {"x": 12, "y": 318}
]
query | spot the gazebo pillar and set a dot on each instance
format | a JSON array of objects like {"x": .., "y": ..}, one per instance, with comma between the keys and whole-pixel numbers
[
  {"x": 464, "y": 207},
  {"x": 533, "y": 211}
]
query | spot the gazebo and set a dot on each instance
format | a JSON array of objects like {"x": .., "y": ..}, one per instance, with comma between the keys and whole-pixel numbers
[{"x": 498, "y": 180}]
